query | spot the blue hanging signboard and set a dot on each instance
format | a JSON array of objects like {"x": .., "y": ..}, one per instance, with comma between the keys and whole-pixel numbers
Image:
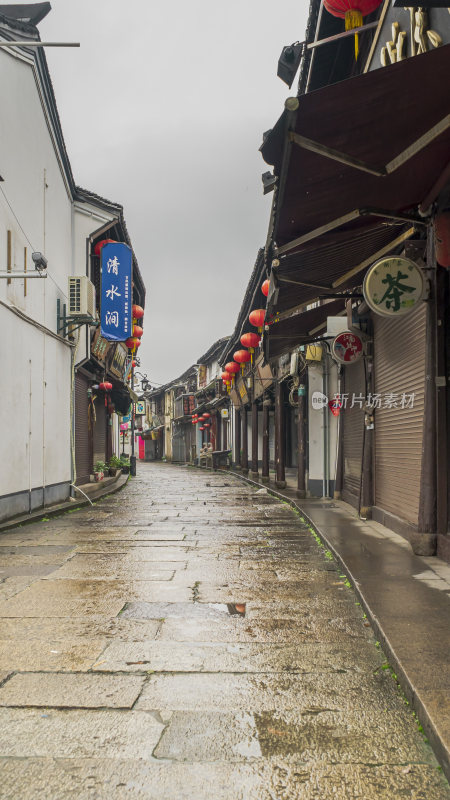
[{"x": 115, "y": 302}]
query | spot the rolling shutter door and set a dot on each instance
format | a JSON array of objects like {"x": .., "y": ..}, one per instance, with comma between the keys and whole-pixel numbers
[
  {"x": 399, "y": 351},
  {"x": 353, "y": 432},
  {"x": 82, "y": 459}
]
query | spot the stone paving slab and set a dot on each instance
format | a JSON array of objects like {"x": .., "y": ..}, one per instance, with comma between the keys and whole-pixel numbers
[
  {"x": 263, "y": 779},
  {"x": 30, "y": 733},
  {"x": 73, "y": 690},
  {"x": 310, "y": 695},
  {"x": 216, "y": 736},
  {"x": 79, "y": 628},
  {"x": 49, "y": 654},
  {"x": 239, "y": 657}
]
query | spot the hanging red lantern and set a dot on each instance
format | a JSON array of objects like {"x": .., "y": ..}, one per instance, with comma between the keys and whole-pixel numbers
[
  {"x": 232, "y": 367},
  {"x": 106, "y": 386},
  {"x": 137, "y": 312},
  {"x": 99, "y": 245},
  {"x": 133, "y": 343},
  {"x": 137, "y": 331},
  {"x": 133, "y": 364},
  {"x": 202, "y": 428},
  {"x": 250, "y": 340},
  {"x": 242, "y": 357},
  {"x": 352, "y": 11},
  {"x": 207, "y": 425},
  {"x": 256, "y": 318},
  {"x": 265, "y": 288},
  {"x": 226, "y": 376},
  {"x": 206, "y": 415}
]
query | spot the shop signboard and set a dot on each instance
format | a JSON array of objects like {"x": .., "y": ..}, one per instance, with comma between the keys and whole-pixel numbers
[
  {"x": 118, "y": 363},
  {"x": 393, "y": 286},
  {"x": 115, "y": 294},
  {"x": 347, "y": 347}
]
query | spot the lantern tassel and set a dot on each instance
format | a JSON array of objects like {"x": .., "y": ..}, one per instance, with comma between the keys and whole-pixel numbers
[{"x": 354, "y": 19}]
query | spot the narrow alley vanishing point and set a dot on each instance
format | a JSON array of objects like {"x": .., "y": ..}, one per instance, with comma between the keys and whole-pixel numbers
[{"x": 189, "y": 638}]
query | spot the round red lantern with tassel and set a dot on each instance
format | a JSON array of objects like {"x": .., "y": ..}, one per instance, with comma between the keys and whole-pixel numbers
[
  {"x": 137, "y": 312},
  {"x": 250, "y": 340},
  {"x": 202, "y": 428},
  {"x": 242, "y": 357},
  {"x": 265, "y": 288},
  {"x": 99, "y": 245},
  {"x": 106, "y": 387},
  {"x": 137, "y": 331},
  {"x": 206, "y": 415},
  {"x": 256, "y": 318},
  {"x": 226, "y": 376},
  {"x": 232, "y": 367},
  {"x": 133, "y": 343},
  {"x": 352, "y": 11}
]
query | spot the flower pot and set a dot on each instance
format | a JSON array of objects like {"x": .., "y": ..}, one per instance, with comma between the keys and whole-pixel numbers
[
  {"x": 125, "y": 470},
  {"x": 98, "y": 476},
  {"x": 113, "y": 471}
]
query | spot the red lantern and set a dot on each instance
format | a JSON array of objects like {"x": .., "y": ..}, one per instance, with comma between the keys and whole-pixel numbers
[
  {"x": 256, "y": 318},
  {"x": 352, "y": 11},
  {"x": 133, "y": 364},
  {"x": 250, "y": 340},
  {"x": 111, "y": 408},
  {"x": 137, "y": 312},
  {"x": 133, "y": 343},
  {"x": 226, "y": 376},
  {"x": 232, "y": 367},
  {"x": 106, "y": 386},
  {"x": 265, "y": 288},
  {"x": 207, "y": 425},
  {"x": 99, "y": 245},
  {"x": 242, "y": 356},
  {"x": 206, "y": 415},
  {"x": 202, "y": 428},
  {"x": 137, "y": 331}
]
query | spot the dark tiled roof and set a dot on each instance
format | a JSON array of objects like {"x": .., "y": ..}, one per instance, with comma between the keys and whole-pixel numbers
[
  {"x": 214, "y": 350},
  {"x": 25, "y": 15}
]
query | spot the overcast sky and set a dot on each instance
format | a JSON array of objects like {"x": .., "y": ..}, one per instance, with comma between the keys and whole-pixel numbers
[{"x": 163, "y": 109}]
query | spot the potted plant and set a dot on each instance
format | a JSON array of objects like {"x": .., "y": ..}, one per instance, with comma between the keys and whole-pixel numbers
[
  {"x": 99, "y": 470},
  {"x": 115, "y": 465},
  {"x": 125, "y": 464}
]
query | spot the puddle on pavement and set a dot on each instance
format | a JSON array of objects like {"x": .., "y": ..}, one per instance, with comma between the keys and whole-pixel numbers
[{"x": 206, "y": 611}]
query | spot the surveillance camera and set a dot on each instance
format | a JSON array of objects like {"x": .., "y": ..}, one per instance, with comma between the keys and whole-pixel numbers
[{"x": 40, "y": 261}]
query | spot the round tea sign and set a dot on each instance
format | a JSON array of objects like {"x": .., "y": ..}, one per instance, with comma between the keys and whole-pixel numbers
[
  {"x": 347, "y": 347},
  {"x": 393, "y": 286}
]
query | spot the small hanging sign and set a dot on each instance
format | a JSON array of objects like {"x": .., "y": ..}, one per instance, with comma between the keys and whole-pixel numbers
[
  {"x": 347, "y": 347},
  {"x": 393, "y": 286}
]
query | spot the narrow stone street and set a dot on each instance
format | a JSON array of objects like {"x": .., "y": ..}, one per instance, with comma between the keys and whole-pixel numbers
[{"x": 188, "y": 639}]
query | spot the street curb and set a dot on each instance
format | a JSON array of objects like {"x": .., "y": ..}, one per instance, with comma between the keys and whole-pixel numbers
[
  {"x": 412, "y": 694},
  {"x": 62, "y": 508}
]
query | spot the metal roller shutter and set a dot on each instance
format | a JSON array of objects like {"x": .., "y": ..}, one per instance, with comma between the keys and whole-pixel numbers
[
  {"x": 399, "y": 352},
  {"x": 353, "y": 417},
  {"x": 82, "y": 456}
]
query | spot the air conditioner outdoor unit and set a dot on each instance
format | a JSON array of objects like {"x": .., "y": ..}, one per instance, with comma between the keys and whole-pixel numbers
[{"x": 81, "y": 297}]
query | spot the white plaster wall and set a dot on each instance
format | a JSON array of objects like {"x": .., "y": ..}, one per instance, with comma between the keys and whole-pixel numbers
[{"x": 35, "y": 440}]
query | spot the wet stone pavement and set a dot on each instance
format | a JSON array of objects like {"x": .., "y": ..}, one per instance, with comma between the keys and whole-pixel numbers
[{"x": 188, "y": 639}]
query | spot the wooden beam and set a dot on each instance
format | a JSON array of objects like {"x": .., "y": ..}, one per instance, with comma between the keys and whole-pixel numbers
[
  {"x": 368, "y": 261},
  {"x": 330, "y": 226},
  {"x": 418, "y": 145},
  {"x": 335, "y": 155}
]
